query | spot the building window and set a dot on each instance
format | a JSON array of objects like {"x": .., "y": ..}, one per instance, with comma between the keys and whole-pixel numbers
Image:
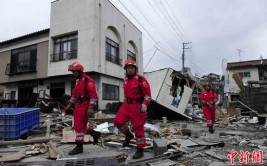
[
  {"x": 131, "y": 55},
  {"x": 7, "y": 96},
  {"x": 110, "y": 92},
  {"x": 57, "y": 90},
  {"x": 244, "y": 74},
  {"x": 65, "y": 48},
  {"x": 22, "y": 60},
  {"x": 13, "y": 95},
  {"x": 112, "y": 51}
]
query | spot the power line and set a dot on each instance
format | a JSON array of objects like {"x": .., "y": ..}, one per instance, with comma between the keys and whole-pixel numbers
[
  {"x": 167, "y": 21},
  {"x": 149, "y": 49},
  {"x": 177, "y": 21},
  {"x": 153, "y": 26},
  {"x": 151, "y": 58},
  {"x": 138, "y": 21},
  {"x": 175, "y": 28}
]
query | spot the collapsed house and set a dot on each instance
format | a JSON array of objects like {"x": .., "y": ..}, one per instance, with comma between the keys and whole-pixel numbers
[{"x": 171, "y": 92}]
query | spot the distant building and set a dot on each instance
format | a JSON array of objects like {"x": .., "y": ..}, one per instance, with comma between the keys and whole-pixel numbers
[
  {"x": 92, "y": 32},
  {"x": 253, "y": 70}
]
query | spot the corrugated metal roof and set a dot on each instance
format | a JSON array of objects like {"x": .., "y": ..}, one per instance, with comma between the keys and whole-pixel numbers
[
  {"x": 24, "y": 37},
  {"x": 242, "y": 64}
]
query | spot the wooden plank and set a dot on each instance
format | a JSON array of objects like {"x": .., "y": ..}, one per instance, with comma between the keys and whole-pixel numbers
[
  {"x": 29, "y": 141},
  {"x": 13, "y": 157},
  {"x": 239, "y": 81}
]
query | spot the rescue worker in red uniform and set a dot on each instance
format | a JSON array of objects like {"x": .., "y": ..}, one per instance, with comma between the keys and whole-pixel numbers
[
  {"x": 208, "y": 99},
  {"x": 137, "y": 96},
  {"x": 84, "y": 99}
]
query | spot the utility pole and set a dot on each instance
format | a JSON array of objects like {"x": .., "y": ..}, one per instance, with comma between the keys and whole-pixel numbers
[{"x": 185, "y": 46}]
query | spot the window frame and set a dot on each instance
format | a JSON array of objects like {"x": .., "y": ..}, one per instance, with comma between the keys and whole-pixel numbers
[
  {"x": 245, "y": 74},
  {"x": 108, "y": 95},
  {"x": 131, "y": 55},
  {"x": 65, "y": 48},
  {"x": 23, "y": 60},
  {"x": 112, "y": 51}
]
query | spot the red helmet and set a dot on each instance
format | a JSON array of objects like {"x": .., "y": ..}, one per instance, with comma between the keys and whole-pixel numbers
[
  {"x": 207, "y": 84},
  {"x": 129, "y": 62},
  {"x": 75, "y": 66}
]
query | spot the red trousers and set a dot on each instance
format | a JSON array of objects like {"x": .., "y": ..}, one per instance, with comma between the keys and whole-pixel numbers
[
  {"x": 209, "y": 115},
  {"x": 81, "y": 120},
  {"x": 129, "y": 111}
]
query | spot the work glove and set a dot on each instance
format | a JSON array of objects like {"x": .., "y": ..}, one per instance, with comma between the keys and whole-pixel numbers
[
  {"x": 143, "y": 108},
  {"x": 63, "y": 112},
  {"x": 210, "y": 105},
  {"x": 89, "y": 111}
]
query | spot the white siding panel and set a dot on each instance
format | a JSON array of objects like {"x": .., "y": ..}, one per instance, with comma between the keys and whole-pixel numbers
[
  {"x": 160, "y": 83},
  {"x": 165, "y": 98},
  {"x": 185, "y": 99},
  {"x": 155, "y": 80}
]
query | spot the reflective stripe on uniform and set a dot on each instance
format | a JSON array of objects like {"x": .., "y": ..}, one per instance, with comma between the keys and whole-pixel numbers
[
  {"x": 209, "y": 121},
  {"x": 141, "y": 140},
  {"x": 147, "y": 98},
  {"x": 92, "y": 101},
  {"x": 124, "y": 128},
  {"x": 79, "y": 136}
]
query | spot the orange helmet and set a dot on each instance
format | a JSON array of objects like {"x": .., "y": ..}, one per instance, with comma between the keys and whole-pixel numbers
[
  {"x": 75, "y": 66},
  {"x": 207, "y": 84},
  {"x": 130, "y": 62}
]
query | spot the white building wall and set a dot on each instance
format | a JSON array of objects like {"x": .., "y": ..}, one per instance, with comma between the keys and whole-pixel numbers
[
  {"x": 91, "y": 20},
  {"x": 254, "y": 75}
]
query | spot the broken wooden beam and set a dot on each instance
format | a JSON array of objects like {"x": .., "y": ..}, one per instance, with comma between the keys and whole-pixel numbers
[{"x": 29, "y": 141}]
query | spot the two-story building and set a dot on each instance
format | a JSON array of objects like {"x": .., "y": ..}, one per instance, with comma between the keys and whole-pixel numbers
[
  {"x": 253, "y": 70},
  {"x": 241, "y": 75},
  {"x": 94, "y": 33}
]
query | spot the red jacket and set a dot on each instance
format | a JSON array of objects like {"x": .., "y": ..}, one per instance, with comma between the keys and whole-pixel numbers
[
  {"x": 136, "y": 88},
  {"x": 208, "y": 96},
  {"x": 85, "y": 88}
]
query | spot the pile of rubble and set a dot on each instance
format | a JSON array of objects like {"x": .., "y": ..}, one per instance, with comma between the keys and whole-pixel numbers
[{"x": 237, "y": 140}]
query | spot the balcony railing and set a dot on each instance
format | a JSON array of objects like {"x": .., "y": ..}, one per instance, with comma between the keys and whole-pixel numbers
[
  {"x": 63, "y": 56},
  {"x": 20, "y": 67},
  {"x": 113, "y": 59}
]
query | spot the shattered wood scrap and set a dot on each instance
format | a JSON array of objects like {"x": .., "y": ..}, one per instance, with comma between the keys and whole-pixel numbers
[
  {"x": 53, "y": 151},
  {"x": 13, "y": 157},
  {"x": 63, "y": 122},
  {"x": 239, "y": 80},
  {"x": 29, "y": 141},
  {"x": 37, "y": 149}
]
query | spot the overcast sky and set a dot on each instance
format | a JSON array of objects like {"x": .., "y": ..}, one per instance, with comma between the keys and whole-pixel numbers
[{"x": 216, "y": 29}]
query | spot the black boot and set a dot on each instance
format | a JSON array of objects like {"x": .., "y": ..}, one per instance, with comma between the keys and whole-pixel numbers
[
  {"x": 77, "y": 150},
  {"x": 96, "y": 136},
  {"x": 139, "y": 153},
  {"x": 127, "y": 140},
  {"x": 211, "y": 130}
]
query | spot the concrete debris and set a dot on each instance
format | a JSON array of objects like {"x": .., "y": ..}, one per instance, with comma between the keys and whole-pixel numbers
[
  {"x": 166, "y": 162},
  {"x": 190, "y": 140},
  {"x": 159, "y": 146}
]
